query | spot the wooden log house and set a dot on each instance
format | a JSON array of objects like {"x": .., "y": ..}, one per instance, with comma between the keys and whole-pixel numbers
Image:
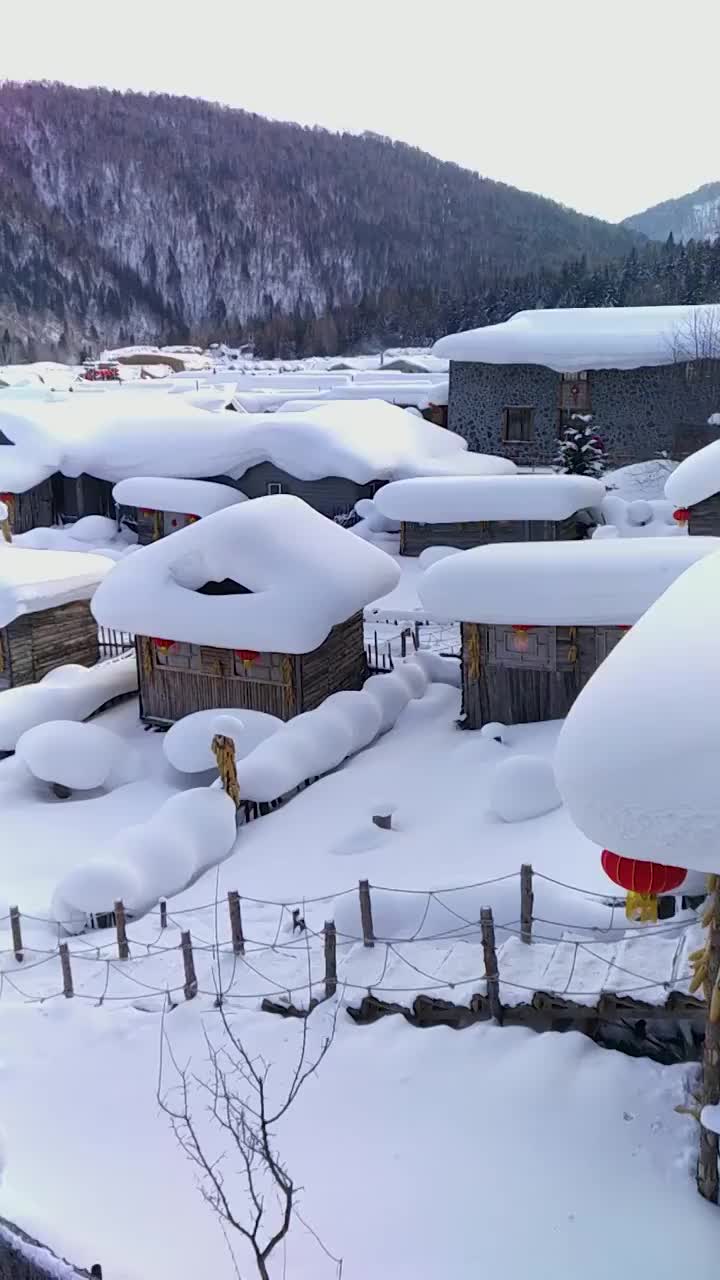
[
  {"x": 694, "y": 490},
  {"x": 44, "y": 608},
  {"x": 538, "y": 620},
  {"x": 258, "y": 605},
  {"x": 154, "y": 506},
  {"x": 473, "y": 511}
]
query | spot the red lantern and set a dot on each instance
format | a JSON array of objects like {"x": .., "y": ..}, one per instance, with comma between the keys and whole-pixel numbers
[
  {"x": 163, "y": 646},
  {"x": 520, "y": 633},
  {"x": 6, "y": 497},
  {"x": 247, "y": 657},
  {"x": 682, "y": 515},
  {"x": 627, "y": 627},
  {"x": 191, "y": 519},
  {"x": 643, "y": 881},
  {"x": 146, "y": 511}
]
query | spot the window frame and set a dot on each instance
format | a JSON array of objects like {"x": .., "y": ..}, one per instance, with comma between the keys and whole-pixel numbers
[
  {"x": 273, "y": 487},
  {"x": 528, "y": 432}
]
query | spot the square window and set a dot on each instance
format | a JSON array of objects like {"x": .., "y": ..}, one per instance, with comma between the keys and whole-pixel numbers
[
  {"x": 517, "y": 424},
  {"x": 274, "y": 487}
]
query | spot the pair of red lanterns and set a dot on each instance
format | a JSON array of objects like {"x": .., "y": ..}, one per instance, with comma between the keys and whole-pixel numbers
[{"x": 643, "y": 881}]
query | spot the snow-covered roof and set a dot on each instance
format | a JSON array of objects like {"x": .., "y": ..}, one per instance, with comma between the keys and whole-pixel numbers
[
  {"x": 639, "y": 755},
  {"x": 577, "y": 338},
  {"x": 607, "y": 582},
  {"x": 163, "y": 493},
  {"x": 303, "y": 573},
  {"x": 114, "y": 440},
  {"x": 33, "y": 580},
  {"x": 19, "y": 471},
  {"x": 446, "y": 499},
  {"x": 695, "y": 479}
]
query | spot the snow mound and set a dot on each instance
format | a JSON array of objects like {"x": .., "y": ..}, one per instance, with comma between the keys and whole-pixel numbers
[
  {"x": 187, "y": 743},
  {"x": 697, "y": 478},
  {"x": 94, "y": 529},
  {"x": 438, "y": 670},
  {"x": 523, "y": 787},
  {"x": 641, "y": 518},
  {"x": 391, "y": 694},
  {"x": 79, "y": 756},
  {"x": 431, "y": 555},
  {"x": 189, "y": 833},
  {"x": 193, "y": 497},
  {"x": 494, "y": 731},
  {"x": 70, "y": 692},
  {"x": 448, "y": 499},
  {"x": 640, "y": 479}
]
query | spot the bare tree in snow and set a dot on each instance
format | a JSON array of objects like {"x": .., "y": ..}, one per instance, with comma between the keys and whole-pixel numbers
[
  {"x": 697, "y": 342},
  {"x": 240, "y": 1171}
]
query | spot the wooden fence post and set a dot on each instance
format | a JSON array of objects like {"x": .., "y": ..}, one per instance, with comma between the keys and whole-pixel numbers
[
  {"x": 121, "y": 930},
  {"x": 491, "y": 965},
  {"x": 526, "y": 902},
  {"x": 330, "y": 959},
  {"x": 366, "y": 914},
  {"x": 403, "y": 642},
  {"x": 191, "y": 986},
  {"x": 96, "y": 1272},
  {"x": 163, "y": 914},
  {"x": 66, "y": 970},
  {"x": 16, "y": 934},
  {"x": 707, "y": 1168},
  {"x": 377, "y": 659},
  {"x": 236, "y": 929}
]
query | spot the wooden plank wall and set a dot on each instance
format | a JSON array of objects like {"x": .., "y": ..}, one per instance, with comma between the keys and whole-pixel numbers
[
  {"x": 705, "y": 518},
  {"x": 415, "y": 538},
  {"x": 166, "y": 695},
  {"x": 33, "y": 509},
  {"x": 517, "y": 695},
  {"x": 339, "y": 663},
  {"x": 39, "y": 642}
]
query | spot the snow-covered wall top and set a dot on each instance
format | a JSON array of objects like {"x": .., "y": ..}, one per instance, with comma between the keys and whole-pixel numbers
[
  {"x": 19, "y": 471},
  {"x": 608, "y": 582},
  {"x": 163, "y": 493},
  {"x": 447, "y": 499},
  {"x": 303, "y": 573},
  {"x": 114, "y": 440},
  {"x": 639, "y": 755},
  {"x": 581, "y": 338},
  {"x": 32, "y": 580},
  {"x": 697, "y": 478}
]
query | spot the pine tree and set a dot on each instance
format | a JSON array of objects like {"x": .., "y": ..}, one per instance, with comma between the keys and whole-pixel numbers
[{"x": 580, "y": 451}]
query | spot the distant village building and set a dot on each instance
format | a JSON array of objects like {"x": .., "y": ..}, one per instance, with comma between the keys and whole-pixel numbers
[
  {"x": 647, "y": 378},
  {"x": 154, "y": 506},
  {"x": 44, "y": 611},
  {"x": 257, "y": 606},
  {"x": 470, "y": 511},
  {"x": 538, "y": 620},
  {"x": 694, "y": 488}
]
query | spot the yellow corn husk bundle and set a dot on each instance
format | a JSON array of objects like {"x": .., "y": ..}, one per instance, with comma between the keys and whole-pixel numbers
[
  {"x": 642, "y": 907},
  {"x": 288, "y": 684},
  {"x": 699, "y": 960},
  {"x": 572, "y": 655},
  {"x": 146, "y": 657},
  {"x": 224, "y": 751},
  {"x": 472, "y": 644}
]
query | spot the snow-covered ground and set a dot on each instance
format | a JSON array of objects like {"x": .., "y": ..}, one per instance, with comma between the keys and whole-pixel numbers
[{"x": 422, "y": 1154}]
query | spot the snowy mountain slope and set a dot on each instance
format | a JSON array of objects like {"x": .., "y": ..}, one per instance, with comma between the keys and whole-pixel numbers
[
  {"x": 192, "y": 218},
  {"x": 695, "y": 216}
]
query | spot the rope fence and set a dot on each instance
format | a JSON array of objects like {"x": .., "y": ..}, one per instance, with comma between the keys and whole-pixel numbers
[{"x": 377, "y": 965}]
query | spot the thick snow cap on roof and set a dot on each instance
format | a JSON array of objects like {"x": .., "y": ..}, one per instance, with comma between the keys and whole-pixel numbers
[
  {"x": 639, "y": 755},
  {"x": 18, "y": 472},
  {"x": 163, "y": 493},
  {"x": 446, "y": 499},
  {"x": 607, "y": 582},
  {"x": 697, "y": 478},
  {"x": 303, "y": 573},
  {"x": 579, "y": 338},
  {"x": 32, "y": 580},
  {"x": 364, "y": 441}
]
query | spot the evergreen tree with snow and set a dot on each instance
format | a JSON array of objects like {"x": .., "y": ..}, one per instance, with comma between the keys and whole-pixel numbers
[{"x": 580, "y": 451}]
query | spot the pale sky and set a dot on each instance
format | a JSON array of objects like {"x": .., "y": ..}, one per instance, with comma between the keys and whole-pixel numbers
[{"x": 606, "y": 105}]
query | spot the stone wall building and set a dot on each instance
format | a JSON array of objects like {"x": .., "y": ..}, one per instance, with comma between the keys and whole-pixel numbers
[{"x": 513, "y": 387}]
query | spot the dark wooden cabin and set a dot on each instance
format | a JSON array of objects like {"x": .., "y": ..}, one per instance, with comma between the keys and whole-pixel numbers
[
  {"x": 532, "y": 668},
  {"x": 287, "y": 631},
  {"x": 155, "y": 506},
  {"x": 177, "y": 678},
  {"x": 36, "y": 643},
  {"x": 469, "y": 510},
  {"x": 519, "y": 674}
]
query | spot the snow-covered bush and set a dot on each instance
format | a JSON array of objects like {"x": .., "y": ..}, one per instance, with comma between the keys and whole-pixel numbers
[
  {"x": 580, "y": 451},
  {"x": 523, "y": 787},
  {"x": 188, "y": 743},
  {"x": 75, "y": 755},
  {"x": 494, "y": 731}
]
